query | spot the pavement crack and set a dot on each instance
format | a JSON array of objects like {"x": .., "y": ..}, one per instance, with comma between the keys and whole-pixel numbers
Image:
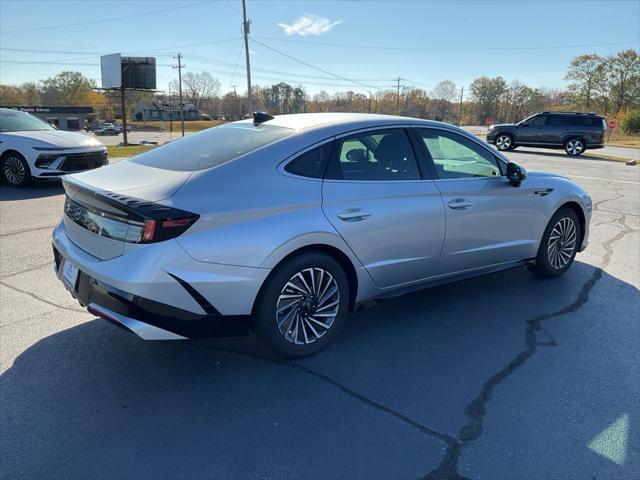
[
  {"x": 26, "y": 230},
  {"x": 476, "y": 409},
  {"x": 40, "y": 299},
  {"x": 32, "y": 269},
  {"x": 443, "y": 437}
]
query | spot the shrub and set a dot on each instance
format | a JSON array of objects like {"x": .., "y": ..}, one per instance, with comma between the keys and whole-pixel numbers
[{"x": 631, "y": 122}]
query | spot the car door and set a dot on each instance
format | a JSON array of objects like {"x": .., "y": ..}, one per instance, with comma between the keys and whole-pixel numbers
[
  {"x": 489, "y": 221},
  {"x": 389, "y": 212},
  {"x": 532, "y": 130}
]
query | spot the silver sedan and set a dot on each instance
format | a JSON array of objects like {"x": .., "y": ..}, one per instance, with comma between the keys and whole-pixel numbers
[{"x": 285, "y": 224}]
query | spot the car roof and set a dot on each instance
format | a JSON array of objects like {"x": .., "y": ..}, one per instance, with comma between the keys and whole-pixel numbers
[{"x": 351, "y": 121}]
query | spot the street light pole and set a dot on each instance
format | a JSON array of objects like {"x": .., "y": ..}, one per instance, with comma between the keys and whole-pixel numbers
[{"x": 245, "y": 27}]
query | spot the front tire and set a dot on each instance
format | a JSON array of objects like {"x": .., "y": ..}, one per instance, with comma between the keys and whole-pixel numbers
[
  {"x": 15, "y": 170},
  {"x": 574, "y": 147},
  {"x": 559, "y": 245},
  {"x": 303, "y": 305},
  {"x": 504, "y": 142}
]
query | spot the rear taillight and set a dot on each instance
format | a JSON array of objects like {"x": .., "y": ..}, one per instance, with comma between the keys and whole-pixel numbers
[{"x": 164, "y": 229}]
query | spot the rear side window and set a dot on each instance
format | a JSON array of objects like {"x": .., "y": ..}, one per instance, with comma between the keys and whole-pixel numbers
[
  {"x": 212, "y": 147},
  {"x": 374, "y": 155},
  {"x": 310, "y": 164},
  {"x": 560, "y": 120}
]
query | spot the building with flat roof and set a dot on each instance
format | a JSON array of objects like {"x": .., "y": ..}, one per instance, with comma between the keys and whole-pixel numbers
[{"x": 65, "y": 118}]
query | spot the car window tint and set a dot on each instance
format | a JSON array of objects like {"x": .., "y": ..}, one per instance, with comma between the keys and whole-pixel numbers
[
  {"x": 212, "y": 147},
  {"x": 538, "y": 121},
  {"x": 310, "y": 164},
  {"x": 376, "y": 155},
  {"x": 560, "y": 120},
  {"x": 457, "y": 157}
]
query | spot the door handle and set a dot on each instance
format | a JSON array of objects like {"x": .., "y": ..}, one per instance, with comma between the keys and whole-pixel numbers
[
  {"x": 353, "y": 215},
  {"x": 543, "y": 191},
  {"x": 459, "y": 204}
]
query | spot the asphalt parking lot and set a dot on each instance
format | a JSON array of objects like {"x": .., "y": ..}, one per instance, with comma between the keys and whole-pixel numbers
[{"x": 502, "y": 377}]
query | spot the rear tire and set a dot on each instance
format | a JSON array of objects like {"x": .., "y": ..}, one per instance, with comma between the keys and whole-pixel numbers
[
  {"x": 574, "y": 146},
  {"x": 15, "y": 170},
  {"x": 559, "y": 244},
  {"x": 303, "y": 304}
]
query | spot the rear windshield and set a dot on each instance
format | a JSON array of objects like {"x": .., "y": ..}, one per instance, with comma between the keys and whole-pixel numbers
[{"x": 212, "y": 147}]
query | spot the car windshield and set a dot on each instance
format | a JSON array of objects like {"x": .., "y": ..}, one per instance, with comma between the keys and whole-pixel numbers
[
  {"x": 16, "y": 121},
  {"x": 212, "y": 147}
]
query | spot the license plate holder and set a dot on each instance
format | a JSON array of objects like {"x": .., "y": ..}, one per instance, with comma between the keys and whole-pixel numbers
[{"x": 69, "y": 275}]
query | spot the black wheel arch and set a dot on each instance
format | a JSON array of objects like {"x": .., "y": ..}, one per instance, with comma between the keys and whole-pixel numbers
[
  {"x": 580, "y": 214},
  {"x": 335, "y": 253}
]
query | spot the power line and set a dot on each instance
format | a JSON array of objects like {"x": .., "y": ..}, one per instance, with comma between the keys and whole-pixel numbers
[
  {"x": 446, "y": 49},
  {"x": 313, "y": 66},
  {"x": 105, "y": 20},
  {"x": 84, "y": 52}
]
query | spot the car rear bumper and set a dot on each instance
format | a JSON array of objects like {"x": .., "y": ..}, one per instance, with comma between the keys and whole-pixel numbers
[
  {"x": 161, "y": 293},
  {"x": 594, "y": 146}
]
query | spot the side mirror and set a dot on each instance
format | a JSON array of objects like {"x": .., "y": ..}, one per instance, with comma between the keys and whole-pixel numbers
[{"x": 515, "y": 174}]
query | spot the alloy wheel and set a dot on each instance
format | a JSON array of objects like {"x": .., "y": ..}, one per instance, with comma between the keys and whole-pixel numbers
[
  {"x": 575, "y": 147},
  {"x": 503, "y": 142},
  {"x": 562, "y": 243},
  {"x": 13, "y": 170},
  {"x": 307, "y": 306}
]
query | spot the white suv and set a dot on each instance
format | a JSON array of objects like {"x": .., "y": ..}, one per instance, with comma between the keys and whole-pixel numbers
[{"x": 31, "y": 148}]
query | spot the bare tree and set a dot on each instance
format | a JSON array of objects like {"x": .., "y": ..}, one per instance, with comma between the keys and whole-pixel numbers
[
  {"x": 444, "y": 93},
  {"x": 198, "y": 88}
]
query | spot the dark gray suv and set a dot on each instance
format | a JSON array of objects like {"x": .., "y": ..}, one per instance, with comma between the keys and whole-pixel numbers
[{"x": 573, "y": 131}]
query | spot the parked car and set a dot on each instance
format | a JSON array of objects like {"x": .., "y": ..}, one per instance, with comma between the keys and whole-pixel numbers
[
  {"x": 31, "y": 148},
  {"x": 573, "y": 131},
  {"x": 108, "y": 131},
  {"x": 292, "y": 221}
]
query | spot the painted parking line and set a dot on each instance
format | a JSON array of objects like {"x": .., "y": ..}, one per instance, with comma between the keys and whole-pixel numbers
[{"x": 603, "y": 179}]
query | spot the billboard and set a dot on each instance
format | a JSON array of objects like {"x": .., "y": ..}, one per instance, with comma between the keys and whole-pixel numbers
[{"x": 128, "y": 72}]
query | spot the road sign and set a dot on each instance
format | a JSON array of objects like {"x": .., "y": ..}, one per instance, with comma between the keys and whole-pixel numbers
[{"x": 612, "y": 123}]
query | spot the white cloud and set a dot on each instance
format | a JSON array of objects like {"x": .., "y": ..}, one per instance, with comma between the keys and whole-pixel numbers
[{"x": 309, "y": 25}]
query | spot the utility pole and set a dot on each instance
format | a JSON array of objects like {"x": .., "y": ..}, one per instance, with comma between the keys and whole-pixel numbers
[
  {"x": 398, "y": 95},
  {"x": 170, "y": 112},
  {"x": 235, "y": 99},
  {"x": 369, "y": 100},
  {"x": 460, "y": 109},
  {"x": 124, "y": 117},
  {"x": 246, "y": 24},
  {"x": 180, "y": 66}
]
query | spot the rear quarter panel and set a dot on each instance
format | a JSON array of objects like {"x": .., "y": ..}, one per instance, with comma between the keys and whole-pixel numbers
[{"x": 252, "y": 215}]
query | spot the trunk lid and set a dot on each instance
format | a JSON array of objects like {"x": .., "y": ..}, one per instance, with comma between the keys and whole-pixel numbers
[{"x": 106, "y": 209}]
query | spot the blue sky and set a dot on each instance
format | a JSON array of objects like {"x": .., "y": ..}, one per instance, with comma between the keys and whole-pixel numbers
[{"x": 456, "y": 39}]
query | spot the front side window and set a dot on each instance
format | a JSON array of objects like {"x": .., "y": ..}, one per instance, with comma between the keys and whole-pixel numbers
[
  {"x": 16, "y": 121},
  {"x": 212, "y": 147},
  {"x": 380, "y": 155},
  {"x": 457, "y": 157}
]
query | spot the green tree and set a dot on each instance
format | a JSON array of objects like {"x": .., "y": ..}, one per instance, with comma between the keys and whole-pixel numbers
[
  {"x": 66, "y": 88},
  {"x": 486, "y": 94},
  {"x": 623, "y": 76},
  {"x": 585, "y": 72}
]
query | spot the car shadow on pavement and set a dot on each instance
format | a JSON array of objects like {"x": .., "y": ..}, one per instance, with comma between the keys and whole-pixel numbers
[
  {"x": 38, "y": 189},
  {"x": 386, "y": 400}
]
